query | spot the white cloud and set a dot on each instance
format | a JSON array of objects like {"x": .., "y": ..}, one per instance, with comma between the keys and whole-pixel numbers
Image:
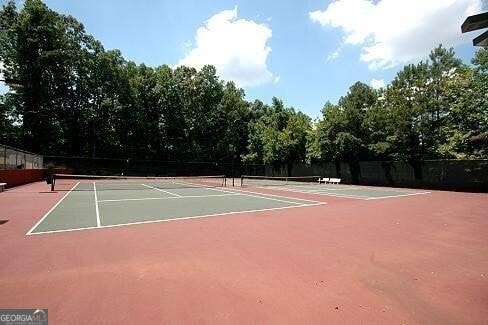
[
  {"x": 236, "y": 47},
  {"x": 377, "y": 84},
  {"x": 392, "y": 32},
  {"x": 333, "y": 55}
]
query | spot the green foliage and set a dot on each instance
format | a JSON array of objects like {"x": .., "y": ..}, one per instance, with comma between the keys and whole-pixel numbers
[
  {"x": 79, "y": 99},
  {"x": 467, "y": 126},
  {"x": 343, "y": 133},
  {"x": 416, "y": 108},
  {"x": 278, "y": 137},
  {"x": 10, "y": 127},
  {"x": 433, "y": 109}
]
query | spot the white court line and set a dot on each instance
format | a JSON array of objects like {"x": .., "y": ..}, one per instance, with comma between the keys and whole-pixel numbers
[
  {"x": 176, "y": 219},
  {"x": 96, "y": 204},
  {"x": 383, "y": 188},
  {"x": 393, "y": 196},
  {"x": 303, "y": 190},
  {"x": 346, "y": 187},
  {"x": 381, "y": 197},
  {"x": 389, "y": 188},
  {"x": 260, "y": 196},
  {"x": 168, "y": 198},
  {"x": 246, "y": 193},
  {"x": 158, "y": 189},
  {"x": 311, "y": 187},
  {"x": 273, "y": 199},
  {"x": 353, "y": 196},
  {"x": 320, "y": 193},
  {"x": 44, "y": 217},
  {"x": 206, "y": 187},
  {"x": 313, "y": 201},
  {"x": 294, "y": 189}
]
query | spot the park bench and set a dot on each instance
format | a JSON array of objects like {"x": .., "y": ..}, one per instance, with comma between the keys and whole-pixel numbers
[{"x": 329, "y": 180}]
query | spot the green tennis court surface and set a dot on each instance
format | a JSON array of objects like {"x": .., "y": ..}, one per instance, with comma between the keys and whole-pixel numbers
[
  {"x": 89, "y": 205},
  {"x": 311, "y": 185},
  {"x": 349, "y": 191}
]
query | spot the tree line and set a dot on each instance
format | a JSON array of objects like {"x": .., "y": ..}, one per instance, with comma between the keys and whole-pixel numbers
[{"x": 74, "y": 98}]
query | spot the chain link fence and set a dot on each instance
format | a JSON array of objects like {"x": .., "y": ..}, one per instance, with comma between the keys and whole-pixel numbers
[
  {"x": 135, "y": 167},
  {"x": 460, "y": 175},
  {"x": 13, "y": 158}
]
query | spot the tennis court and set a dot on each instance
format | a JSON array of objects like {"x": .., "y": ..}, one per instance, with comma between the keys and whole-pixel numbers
[
  {"x": 310, "y": 185},
  {"x": 111, "y": 201},
  {"x": 301, "y": 248},
  {"x": 99, "y": 202}
]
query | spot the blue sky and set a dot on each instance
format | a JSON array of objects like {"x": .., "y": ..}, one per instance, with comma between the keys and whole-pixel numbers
[{"x": 304, "y": 52}]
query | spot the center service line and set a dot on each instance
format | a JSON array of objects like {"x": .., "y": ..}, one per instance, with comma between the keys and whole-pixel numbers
[{"x": 96, "y": 204}]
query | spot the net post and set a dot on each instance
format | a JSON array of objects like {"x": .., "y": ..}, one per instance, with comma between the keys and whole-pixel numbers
[
  {"x": 242, "y": 180},
  {"x": 53, "y": 180}
]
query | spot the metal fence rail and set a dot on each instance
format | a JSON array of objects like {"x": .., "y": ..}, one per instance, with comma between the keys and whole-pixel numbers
[{"x": 13, "y": 158}]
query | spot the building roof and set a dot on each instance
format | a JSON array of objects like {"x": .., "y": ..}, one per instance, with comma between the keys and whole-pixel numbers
[{"x": 476, "y": 22}]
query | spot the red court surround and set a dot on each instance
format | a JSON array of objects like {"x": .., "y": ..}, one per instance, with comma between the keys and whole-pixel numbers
[{"x": 16, "y": 177}]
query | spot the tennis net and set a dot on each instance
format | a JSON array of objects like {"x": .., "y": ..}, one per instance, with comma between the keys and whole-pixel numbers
[
  {"x": 247, "y": 180},
  {"x": 88, "y": 182}
]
